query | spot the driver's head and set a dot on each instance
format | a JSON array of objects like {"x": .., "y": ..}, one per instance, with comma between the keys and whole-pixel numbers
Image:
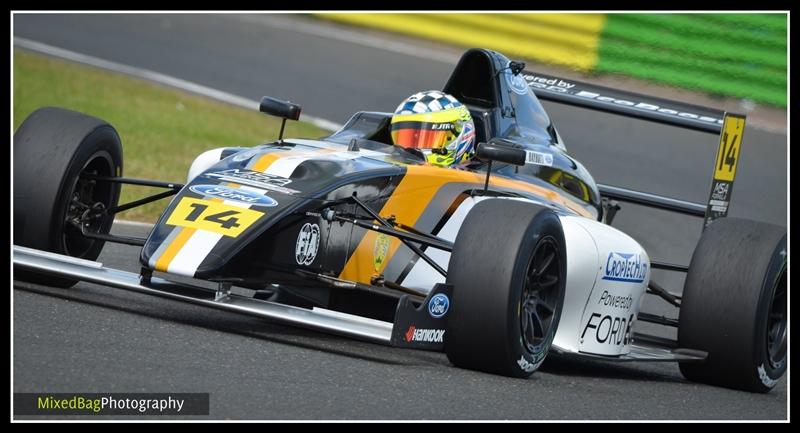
[{"x": 436, "y": 124}]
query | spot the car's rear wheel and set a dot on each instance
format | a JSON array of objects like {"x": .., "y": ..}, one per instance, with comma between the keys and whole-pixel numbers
[
  {"x": 508, "y": 271},
  {"x": 734, "y": 305},
  {"x": 54, "y": 149}
]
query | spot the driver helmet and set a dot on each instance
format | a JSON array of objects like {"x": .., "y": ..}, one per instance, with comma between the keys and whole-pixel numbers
[{"x": 436, "y": 124}]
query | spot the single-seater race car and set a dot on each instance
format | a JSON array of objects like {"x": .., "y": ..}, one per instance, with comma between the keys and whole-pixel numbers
[{"x": 496, "y": 264}]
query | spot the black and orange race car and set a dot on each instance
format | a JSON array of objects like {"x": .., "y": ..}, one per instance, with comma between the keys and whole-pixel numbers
[{"x": 497, "y": 264}]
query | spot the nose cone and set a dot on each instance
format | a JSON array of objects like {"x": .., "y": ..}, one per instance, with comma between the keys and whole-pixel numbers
[{"x": 234, "y": 201}]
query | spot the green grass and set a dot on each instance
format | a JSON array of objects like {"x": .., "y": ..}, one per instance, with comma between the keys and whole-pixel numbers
[
  {"x": 162, "y": 129},
  {"x": 739, "y": 55}
]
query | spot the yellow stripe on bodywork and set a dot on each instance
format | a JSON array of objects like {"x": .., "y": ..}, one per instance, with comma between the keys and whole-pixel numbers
[
  {"x": 407, "y": 203},
  {"x": 266, "y": 160},
  {"x": 410, "y": 199},
  {"x": 172, "y": 250},
  {"x": 177, "y": 244}
]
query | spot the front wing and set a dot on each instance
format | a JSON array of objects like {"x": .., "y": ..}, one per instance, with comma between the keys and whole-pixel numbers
[{"x": 319, "y": 319}]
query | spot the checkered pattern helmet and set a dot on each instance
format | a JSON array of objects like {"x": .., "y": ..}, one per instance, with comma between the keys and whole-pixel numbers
[{"x": 437, "y": 124}]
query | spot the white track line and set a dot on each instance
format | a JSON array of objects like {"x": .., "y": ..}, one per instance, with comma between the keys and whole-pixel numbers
[{"x": 159, "y": 78}]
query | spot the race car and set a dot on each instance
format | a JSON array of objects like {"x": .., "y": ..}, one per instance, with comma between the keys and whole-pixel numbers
[{"x": 497, "y": 264}]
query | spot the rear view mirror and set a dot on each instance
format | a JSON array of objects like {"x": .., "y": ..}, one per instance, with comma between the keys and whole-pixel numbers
[
  {"x": 283, "y": 109},
  {"x": 498, "y": 149},
  {"x": 278, "y": 108}
]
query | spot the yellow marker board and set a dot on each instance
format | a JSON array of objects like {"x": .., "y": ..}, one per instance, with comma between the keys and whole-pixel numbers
[
  {"x": 730, "y": 144},
  {"x": 728, "y": 155}
]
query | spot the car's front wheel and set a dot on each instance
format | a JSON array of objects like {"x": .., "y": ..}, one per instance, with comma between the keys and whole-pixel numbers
[
  {"x": 54, "y": 151},
  {"x": 508, "y": 271}
]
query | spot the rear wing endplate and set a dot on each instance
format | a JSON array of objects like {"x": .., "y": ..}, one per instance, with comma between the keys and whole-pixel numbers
[{"x": 728, "y": 126}]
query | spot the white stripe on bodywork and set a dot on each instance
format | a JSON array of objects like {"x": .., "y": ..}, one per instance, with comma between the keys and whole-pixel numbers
[
  {"x": 284, "y": 167},
  {"x": 164, "y": 245},
  {"x": 422, "y": 276},
  {"x": 201, "y": 243},
  {"x": 203, "y": 162},
  {"x": 193, "y": 253}
]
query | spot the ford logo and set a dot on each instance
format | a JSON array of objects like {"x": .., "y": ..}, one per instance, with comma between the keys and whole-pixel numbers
[
  {"x": 233, "y": 194},
  {"x": 438, "y": 305}
]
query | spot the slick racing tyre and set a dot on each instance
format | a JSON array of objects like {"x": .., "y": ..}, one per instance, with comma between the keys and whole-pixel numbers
[
  {"x": 734, "y": 305},
  {"x": 52, "y": 149},
  {"x": 508, "y": 271}
]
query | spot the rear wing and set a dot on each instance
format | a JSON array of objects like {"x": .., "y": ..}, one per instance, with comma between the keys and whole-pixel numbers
[
  {"x": 728, "y": 126},
  {"x": 629, "y": 104}
]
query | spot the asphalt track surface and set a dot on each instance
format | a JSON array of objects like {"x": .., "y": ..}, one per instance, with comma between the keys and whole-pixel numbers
[{"x": 95, "y": 339}]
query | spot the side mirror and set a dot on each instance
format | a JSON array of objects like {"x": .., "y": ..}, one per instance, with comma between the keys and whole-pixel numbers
[
  {"x": 278, "y": 108},
  {"x": 283, "y": 109},
  {"x": 498, "y": 149}
]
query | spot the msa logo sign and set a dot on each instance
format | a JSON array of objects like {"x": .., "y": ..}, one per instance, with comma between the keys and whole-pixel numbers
[
  {"x": 255, "y": 179},
  {"x": 627, "y": 268},
  {"x": 424, "y": 335}
]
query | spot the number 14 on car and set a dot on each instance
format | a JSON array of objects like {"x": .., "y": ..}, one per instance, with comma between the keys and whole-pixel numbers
[{"x": 213, "y": 216}]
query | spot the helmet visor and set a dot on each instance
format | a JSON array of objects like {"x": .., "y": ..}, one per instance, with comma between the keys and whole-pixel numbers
[{"x": 423, "y": 135}]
